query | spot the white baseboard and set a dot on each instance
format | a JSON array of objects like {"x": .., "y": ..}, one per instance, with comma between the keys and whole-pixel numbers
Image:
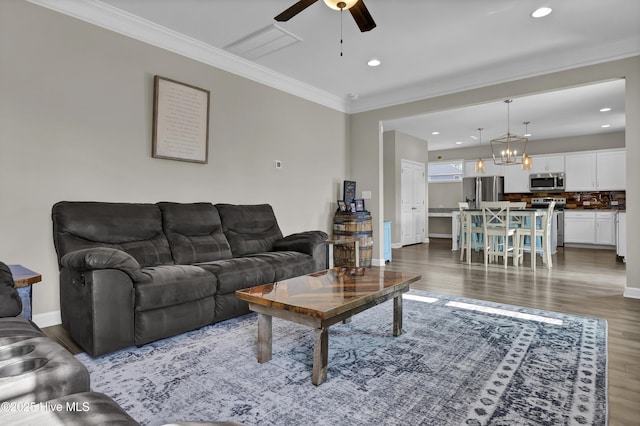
[
  {"x": 632, "y": 292},
  {"x": 396, "y": 245},
  {"x": 47, "y": 319},
  {"x": 439, "y": 236},
  {"x": 377, "y": 262}
]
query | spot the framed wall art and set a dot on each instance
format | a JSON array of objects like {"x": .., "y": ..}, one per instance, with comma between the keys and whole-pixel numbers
[{"x": 180, "y": 121}]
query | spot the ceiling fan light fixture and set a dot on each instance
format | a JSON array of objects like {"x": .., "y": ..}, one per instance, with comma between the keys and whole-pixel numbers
[{"x": 335, "y": 4}]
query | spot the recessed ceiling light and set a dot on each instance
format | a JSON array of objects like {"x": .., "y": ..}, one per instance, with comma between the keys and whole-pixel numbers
[
  {"x": 527, "y": 135},
  {"x": 475, "y": 138},
  {"x": 459, "y": 143},
  {"x": 604, "y": 126},
  {"x": 374, "y": 62},
  {"x": 541, "y": 12},
  {"x": 607, "y": 109},
  {"x": 435, "y": 133}
]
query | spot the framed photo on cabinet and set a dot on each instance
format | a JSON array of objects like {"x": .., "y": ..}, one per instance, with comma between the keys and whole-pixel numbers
[
  {"x": 349, "y": 191},
  {"x": 180, "y": 121}
]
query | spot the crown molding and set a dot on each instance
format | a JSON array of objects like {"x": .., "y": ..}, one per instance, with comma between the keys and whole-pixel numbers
[{"x": 111, "y": 18}]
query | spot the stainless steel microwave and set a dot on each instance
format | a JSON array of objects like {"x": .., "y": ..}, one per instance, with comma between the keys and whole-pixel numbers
[{"x": 546, "y": 182}]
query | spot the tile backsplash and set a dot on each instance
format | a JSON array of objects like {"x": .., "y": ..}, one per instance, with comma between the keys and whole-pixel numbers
[{"x": 579, "y": 200}]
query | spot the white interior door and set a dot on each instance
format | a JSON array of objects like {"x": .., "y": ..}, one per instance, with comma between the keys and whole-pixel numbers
[{"x": 412, "y": 184}]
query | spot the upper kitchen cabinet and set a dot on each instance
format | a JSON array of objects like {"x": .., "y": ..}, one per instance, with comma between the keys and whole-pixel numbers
[
  {"x": 580, "y": 171},
  {"x": 490, "y": 168},
  {"x": 611, "y": 168},
  {"x": 547, "y": 163},
  {"x": 596, "y": 171},
  {"x": 516, "y": 180}
]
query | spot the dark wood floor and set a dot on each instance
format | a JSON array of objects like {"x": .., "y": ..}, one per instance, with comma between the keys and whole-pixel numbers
[{"x": 582, "y": 282}]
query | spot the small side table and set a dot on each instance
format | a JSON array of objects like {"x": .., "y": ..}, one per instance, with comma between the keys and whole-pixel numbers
[
  {"x": 339, "y": 239},
  {"x": 24, "y": 279}
]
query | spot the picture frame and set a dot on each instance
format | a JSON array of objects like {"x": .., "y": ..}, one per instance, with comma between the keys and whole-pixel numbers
[
  {"x": 349, "y": 191},
  {"x": 342, "y": 206},
  {"x": 180, "y": 121},
  {"x": 352, "y": 207},
  {"x": 359, "y": 202}
]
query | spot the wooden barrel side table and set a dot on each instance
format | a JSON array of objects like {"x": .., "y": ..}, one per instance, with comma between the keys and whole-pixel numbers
[{"x": 355, "y": 225}]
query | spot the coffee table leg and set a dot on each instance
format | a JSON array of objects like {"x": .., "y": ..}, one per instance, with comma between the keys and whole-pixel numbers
[
  {"x": 320, "y": 356},
  {"x": 264, "y": 338},
  {"x": 397, "y": 315}
]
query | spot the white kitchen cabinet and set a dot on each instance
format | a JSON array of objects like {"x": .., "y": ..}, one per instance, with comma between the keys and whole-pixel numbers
[
  {"x": 580, "y": 170},
  {"x": 589, "y": 227},
  {"x": 515, "y": 179},
  {"x": 611, "y": 170},
  {"x": 621, "y": 235},
  {"x": 605, "y": 228},
  {"x": 490, "y": 168},
  {"x": 579, "y": 226},
  {"x": 596, "y": 171},
  {"x": 547, "y": 163}
]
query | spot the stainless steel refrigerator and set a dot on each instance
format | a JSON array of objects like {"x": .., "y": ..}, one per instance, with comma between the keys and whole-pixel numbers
[{"x": 482, "y": 188}]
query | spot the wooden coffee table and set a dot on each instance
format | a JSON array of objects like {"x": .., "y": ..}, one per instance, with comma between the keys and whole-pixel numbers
[{"x": 322, "y": 299}]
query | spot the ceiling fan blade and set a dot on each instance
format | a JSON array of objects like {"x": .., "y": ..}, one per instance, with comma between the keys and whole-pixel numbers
[
  {"x": 362, "y": 16},
  {"x": 294, "y": 10}
]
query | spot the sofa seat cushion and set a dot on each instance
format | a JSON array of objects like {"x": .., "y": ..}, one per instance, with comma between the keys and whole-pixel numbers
[
  {"x": 194, "y": 232},
  {"x": 287, "y": 264},
  {"x": 238, "y": 273},
  {"x": 250, "y": 229},
  {"x": 173, "y": 284}
]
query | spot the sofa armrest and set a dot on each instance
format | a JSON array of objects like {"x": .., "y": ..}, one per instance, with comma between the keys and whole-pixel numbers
[
  {"x": 103, "y": 258},
  {"x": 303, "y": 242}
]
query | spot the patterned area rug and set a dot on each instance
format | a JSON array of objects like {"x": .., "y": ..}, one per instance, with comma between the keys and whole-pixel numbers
[{"x": 459, "y": 362}]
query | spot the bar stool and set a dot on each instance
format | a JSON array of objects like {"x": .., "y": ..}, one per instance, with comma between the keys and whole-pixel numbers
[
  {"x": 544, "y": 231},
  {"x": 497, "y": 232},
  {"x": 474, "y": 230}
]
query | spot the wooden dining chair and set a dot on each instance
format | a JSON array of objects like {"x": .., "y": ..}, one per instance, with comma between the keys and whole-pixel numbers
[
  {"x": 499, "y": 237},
  {"x": 543, "y": 231}
]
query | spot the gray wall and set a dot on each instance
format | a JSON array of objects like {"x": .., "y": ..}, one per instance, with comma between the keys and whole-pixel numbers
[
  {"x": 399, "y": 146},
  {"x": 76, "y": 118}
]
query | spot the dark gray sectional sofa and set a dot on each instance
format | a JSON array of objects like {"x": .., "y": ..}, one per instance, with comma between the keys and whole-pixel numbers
[{"x": 134, "y": 273}]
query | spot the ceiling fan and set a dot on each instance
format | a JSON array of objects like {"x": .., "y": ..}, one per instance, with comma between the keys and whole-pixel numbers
[{"x": 357, "y": 8}]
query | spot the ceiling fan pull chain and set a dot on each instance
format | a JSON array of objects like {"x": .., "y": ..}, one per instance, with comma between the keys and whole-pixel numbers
[{"x": 341, "y": 12}]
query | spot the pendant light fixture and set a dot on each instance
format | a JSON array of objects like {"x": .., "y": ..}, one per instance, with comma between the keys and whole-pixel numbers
[
  {"x": 527, "y": 161},
  {"x": 505, "y": 149},
  {"x": 479, "y": 161}
]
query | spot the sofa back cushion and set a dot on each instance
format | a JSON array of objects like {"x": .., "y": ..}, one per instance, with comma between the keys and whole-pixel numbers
[
  {"x": 133, "y": 228},
  {"x": 194, "y": 232},
  {"x": 249, "y": 229}
]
